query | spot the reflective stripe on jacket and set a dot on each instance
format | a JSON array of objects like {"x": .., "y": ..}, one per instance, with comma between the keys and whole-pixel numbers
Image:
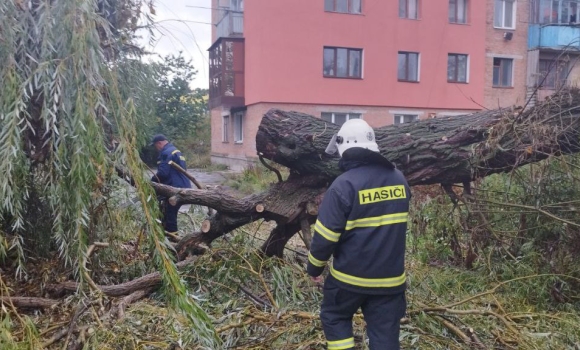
[{"x": 362, "y": 223}]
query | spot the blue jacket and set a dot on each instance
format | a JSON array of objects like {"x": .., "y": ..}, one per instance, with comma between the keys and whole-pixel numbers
[
  {"x": 362, "y": 223},
  {"x": 166, "y": 174}
]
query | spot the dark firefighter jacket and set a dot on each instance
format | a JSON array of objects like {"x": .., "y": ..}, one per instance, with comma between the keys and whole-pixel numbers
[
  {"x": 166, "y": 174},
  {"x": 362, "y": 223}
]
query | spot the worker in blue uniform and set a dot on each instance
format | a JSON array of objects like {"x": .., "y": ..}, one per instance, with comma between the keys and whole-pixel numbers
[
  {"x": 168, "y": 175},
  {"x": 362, "y": 222}
]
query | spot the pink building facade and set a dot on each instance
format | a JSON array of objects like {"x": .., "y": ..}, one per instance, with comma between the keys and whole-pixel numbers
[{"x": 387, "y": 62}]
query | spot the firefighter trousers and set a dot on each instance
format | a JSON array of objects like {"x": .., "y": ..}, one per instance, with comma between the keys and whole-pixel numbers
[{"x": 382, "y": 314}]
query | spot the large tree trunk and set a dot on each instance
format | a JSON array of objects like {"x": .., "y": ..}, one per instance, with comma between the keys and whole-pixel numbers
[{"x": 444, "y": 150}]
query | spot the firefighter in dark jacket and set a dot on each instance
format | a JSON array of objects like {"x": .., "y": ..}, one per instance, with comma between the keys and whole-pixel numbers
[
  {"x": 168, "y": 175},
  {"x": 362, "y": 223}
]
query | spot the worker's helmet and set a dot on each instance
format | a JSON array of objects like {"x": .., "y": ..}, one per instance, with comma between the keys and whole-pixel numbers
[{"x": 353, "y": 133}]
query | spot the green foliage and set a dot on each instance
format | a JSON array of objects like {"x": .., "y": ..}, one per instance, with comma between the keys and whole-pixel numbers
[
  {"x": 523, "y": 221},
  {"x": 67, "y": 118},
  {"x": 254, "y": 179},
  {"x": 179, "y": 109}
]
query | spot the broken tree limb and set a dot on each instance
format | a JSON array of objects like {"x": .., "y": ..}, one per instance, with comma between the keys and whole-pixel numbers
[
  {"x": 29, "y": 302},
  {"x": 188, "y": 175},
  {"x": 147, "y": 282}
]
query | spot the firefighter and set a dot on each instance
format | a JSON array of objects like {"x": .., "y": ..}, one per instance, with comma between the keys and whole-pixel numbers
[
  {"x": 362, "y": 223},
  {"x": 168, "y": 175}
]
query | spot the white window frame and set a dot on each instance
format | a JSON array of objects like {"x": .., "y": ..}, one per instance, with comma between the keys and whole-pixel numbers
[
  {"x": 466, "y": 67},
  {"x": 401, "y": 118},
  {"x": 238, "y": 133},
  {"x": 407, "y": 5},
  {"x": 348, "y": 116},
  {"x": 418, "y": 66},
  {"x": 515, "y": 5},
  {"x": 465, "y": 9},
  {"x": 237, "y": 5},
  {"x": 512, "y": 72},
  {"x": 226, "y": 128}
]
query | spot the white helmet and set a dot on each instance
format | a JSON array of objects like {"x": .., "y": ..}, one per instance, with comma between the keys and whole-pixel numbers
[{"x": 353, "y": 133}]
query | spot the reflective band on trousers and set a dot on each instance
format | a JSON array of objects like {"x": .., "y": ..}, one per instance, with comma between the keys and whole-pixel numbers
[
  {"x": 315, "y": 262},
  {"x": 326, "y": 233},
  {"x": 368, "y": 282},
  {"x": 377, "y": 221},
  {"x": 341, "y": 344}
]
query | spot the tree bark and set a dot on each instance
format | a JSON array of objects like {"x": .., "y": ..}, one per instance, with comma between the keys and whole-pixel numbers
[{"x": 434, "y": 151}]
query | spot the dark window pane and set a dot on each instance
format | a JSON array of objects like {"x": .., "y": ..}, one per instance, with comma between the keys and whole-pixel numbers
[
  {"x": 509, "y": 14},
  {"x": 413, "y": 67},
  {"x": 328, "y": 5},
  {"x": 353, "y": 116},
  {"x": 462, "y": 11},
  {"x": 498, "y": 13},
  {"x": 341, "y": 5},
  {"x": 452, "y": 11},
  {"x": 355, "y": 6},
  {"x": 495, "y": 76},
  {"x": 329, "y": 62},
  {"x": 339, "y": 118},
  {"x": 413, "y": 9},
  {"x": 506, "y": 72},
  {"x": 341, "y": 62},
  {"x": 354, "y": 63},
  {"x": 451, "y": 67},
  {"x": 327, "y": 117},
  {"x": 462, "y": 68},
  {"x": 403, "y": 8},
  {"x": 402, "y": 67}
]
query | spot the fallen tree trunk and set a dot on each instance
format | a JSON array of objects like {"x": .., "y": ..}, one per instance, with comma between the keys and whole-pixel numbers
[
  {"x": 434, "y": 151},
  {"x": 443, "y": 151}
]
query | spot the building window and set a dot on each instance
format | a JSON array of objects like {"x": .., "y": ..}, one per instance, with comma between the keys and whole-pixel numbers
[
  {"x": 342, "y": 62},
  {"x": 226, "y": 128},
  {"x": 408, "y": 66},
  {"x": 239, "y": 127},
  {"x": 405, "y": 118},
  {"x": 555, "y": 11},
  {"x": 409, "y": 9},
  {"x": 553, "y": 73},
  {"x": 458, "y": 11},
  {"x": 505, "y": 14},
  {"x": 457, "y": 68},
  {"x": 339, "y": 118},
  {"x": 237, "y": 5},
  {"x": 343, "y": 6},
  {"x": 502, "y": 72}
]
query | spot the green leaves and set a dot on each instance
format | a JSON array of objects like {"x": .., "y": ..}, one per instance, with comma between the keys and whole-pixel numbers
[{"x": 68, "y": 113}]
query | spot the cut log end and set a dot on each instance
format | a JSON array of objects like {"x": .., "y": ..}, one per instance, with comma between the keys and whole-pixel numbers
[
  {"x": 312, "y": 208},
  {"x": 205, "y": 226},
  {"x": 260, "y": 208}
]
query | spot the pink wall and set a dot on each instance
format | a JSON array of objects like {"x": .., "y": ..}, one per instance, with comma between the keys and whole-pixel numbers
[{"x": 284, "y": 47}]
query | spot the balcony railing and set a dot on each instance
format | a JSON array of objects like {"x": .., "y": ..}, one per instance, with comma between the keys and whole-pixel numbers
[
  {"x": 231, "y": 25},
  {"x": 553, "y": 36}
]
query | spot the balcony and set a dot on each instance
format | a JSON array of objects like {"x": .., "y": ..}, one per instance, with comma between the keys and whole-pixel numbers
[
  {"x": 231, "y": 25},
  {"x": 554, "y": 36},
  {"x": 226, "y": 70}
]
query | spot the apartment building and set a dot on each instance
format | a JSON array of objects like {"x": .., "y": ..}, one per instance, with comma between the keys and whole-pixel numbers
[{"x": 387, "y": 62}]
